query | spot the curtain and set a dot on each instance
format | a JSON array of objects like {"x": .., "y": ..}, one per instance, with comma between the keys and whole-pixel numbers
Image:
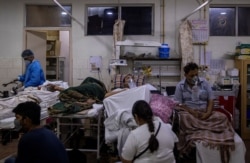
[
  {"x": 186, "y": 44},
  {"x": 117, "y": 35}
]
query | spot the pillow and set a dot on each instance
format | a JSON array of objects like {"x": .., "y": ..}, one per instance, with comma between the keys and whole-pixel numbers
[
  {"x": 162, "y": 106},
  {"x": 139, "y": 79},
  {"x": 118, "y": 80}
]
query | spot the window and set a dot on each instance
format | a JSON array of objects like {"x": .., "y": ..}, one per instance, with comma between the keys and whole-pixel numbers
[
  {"x": 47, "y": 16},
  {"x": 101, "y": 20},
  {"x": 224, "y": 21},
  {"x": 244, "y": 21},
  {"x": 138, "y": 19}
]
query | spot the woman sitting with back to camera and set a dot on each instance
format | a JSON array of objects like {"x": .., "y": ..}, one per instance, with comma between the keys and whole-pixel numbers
[{"x": 152, "y": 141}]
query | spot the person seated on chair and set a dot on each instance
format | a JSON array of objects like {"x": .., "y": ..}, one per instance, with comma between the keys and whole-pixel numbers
[
  {"x": 198, "y": 121},
  {"x": 37, "y": 144},
  {"x": 152, "y": 141}
]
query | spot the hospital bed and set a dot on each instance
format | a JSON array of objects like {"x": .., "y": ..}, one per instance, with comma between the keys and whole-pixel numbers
[
  {"x": 43, "y": 97},
  {"x": 119, "y": 121},
  {"x": 90, "y": 121},
  {"x": 118, "y": 118}
]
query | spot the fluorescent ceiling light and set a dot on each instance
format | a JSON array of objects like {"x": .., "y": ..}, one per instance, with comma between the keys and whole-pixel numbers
[
  {"x": 63, "y": 13},
  {"x": 109, "y": 13},
  {"x": 223, "y": 13}
]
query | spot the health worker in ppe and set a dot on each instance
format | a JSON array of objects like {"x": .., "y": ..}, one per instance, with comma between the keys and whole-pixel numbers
[{"x": 34, "y": 75}]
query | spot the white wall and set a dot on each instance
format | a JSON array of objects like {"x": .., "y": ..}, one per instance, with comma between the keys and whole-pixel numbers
[
  {"x": 12, "y": 38},
  {"x": 64, "y": 51}
]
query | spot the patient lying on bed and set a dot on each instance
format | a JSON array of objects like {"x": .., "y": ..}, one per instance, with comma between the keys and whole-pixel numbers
[
  {"x": 82, "y": 97},
  {"x": 75, "y": 99}
]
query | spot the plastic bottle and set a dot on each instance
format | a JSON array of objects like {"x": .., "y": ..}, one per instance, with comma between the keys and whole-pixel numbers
[
  {"x": 195, "y": 92},
  {"x": 131, "y": 83},
  {"x": 164, "y": 51}
]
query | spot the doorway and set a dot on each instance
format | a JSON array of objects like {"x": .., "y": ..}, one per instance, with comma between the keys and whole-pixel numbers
[{"x": 53, "y": 49}]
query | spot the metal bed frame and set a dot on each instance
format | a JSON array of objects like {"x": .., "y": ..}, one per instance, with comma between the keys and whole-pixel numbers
[{"x": 77, "y": 125}]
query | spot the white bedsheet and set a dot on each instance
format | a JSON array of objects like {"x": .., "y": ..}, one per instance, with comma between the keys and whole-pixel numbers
[
  {"x": 126, "y": 99},
  {"x": 8, "y": 123},
  {"x": 46, "y": 99},
  {"x": 118, "y": 110},
  {"x": 93, "y": 112}
]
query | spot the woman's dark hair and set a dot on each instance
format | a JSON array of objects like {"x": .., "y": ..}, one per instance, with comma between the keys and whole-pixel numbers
[
  {"x": 29, "y": 109},
  {"x": 143, "y": 110},
  {"x": 190, "y": 66}
]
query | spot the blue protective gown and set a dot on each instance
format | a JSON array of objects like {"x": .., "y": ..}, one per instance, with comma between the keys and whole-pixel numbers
[{"x": 33, "y": 76}]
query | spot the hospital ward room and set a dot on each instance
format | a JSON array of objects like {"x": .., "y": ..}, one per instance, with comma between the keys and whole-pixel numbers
[{"x": 125, "y": 81}]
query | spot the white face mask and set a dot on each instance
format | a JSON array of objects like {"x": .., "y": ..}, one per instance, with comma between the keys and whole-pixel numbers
[
  {"x": 17, "y": 124},
  {"x": 27, "y": 62},
  {"x": 195, "y": 79}
]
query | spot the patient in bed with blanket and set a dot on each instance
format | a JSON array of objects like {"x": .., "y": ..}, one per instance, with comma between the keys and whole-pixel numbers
[
  {"x": 78, "y": 98},
  {"x": 82, "y": 97}
]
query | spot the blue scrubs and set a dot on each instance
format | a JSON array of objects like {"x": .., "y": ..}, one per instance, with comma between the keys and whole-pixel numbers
[{"x": 33, "y": 76}]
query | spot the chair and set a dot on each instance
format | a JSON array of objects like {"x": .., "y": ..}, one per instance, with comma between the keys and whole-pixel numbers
[{"x": 170, "y": 90}]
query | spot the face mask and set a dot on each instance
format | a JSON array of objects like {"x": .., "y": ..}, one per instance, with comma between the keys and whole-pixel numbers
[
  {"x": 27, "y": 62},
  {"x": 17, "y": 124},
  {"x": 193, "y": 80}
]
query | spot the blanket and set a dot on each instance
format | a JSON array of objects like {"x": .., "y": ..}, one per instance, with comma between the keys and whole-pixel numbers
[
  {"x": 162, "y": 106},
  {"x": 215, "y": 132},
  {"x": 44, "y": 98},
  {"x": 75, "y": 99}
]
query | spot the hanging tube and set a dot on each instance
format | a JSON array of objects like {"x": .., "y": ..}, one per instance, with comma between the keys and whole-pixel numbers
[
  {"x": 163, "y": 21},
  {"x": 69, "y": 13},
  {"x": 201, "y": 6}
]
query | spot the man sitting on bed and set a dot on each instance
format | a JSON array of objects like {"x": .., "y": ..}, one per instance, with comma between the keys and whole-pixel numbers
[{"x": 198, "y": 121}]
